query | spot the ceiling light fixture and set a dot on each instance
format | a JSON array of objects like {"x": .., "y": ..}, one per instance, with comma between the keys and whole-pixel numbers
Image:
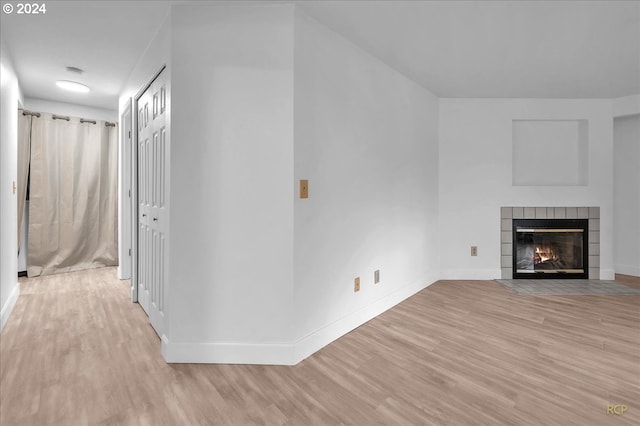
[
  {"x": 72, "y": 86},
  {"x": 75, "y": 70}
]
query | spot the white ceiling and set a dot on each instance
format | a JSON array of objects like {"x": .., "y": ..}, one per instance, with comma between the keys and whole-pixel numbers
[
  {"x": 499, "y": 49},
  {"x": 104, "y": 38},
  {"x": 523, "y": 49}
]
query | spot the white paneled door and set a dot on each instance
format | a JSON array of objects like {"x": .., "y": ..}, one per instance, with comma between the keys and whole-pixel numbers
[{"x": 152, "y": 200}]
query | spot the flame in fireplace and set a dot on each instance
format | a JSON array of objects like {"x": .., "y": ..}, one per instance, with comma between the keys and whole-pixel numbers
[{"x": 543, "y": 255}]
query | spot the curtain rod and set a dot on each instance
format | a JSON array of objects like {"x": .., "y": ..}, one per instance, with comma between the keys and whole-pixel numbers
[
  {"x": 106, "y": 123},
  {"x": 67, "y": 118}
]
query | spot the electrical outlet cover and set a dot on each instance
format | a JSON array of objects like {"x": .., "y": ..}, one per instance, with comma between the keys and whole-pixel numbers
[{"x": 304, "y": 188}]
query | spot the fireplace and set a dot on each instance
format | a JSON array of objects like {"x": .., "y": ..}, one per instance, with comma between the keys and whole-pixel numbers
[
  {"x": 510, "y": 213},
  {"x": 550, "y": 248}
]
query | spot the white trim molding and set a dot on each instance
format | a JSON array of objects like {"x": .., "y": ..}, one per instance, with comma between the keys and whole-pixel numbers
[
  {"x": 227, "y": 353},
  {"x": 608, "y": 274},
  {"x": 470, "y": 274}
]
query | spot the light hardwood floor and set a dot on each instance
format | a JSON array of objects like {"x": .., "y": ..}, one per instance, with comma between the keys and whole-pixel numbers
[{"x": 76, "y": 351}]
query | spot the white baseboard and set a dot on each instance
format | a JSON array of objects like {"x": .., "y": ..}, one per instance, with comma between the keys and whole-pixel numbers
[
  {"x": 628, "y": 270},
  {"x": 471, "y": 274},
  {"x": 284, "y": 353},
  {"x": 227, "y": 353},
  {"x": 123, "y": 273},
  {"x": 6, "y": 310},
  {"x": 607, "y": 274}
]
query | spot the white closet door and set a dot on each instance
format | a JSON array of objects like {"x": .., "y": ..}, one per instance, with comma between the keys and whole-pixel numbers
[{"x": 152, "y": 196}]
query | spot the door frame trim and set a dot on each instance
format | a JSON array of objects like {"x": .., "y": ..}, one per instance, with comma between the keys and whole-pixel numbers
[{"x": 125, "y": 218}]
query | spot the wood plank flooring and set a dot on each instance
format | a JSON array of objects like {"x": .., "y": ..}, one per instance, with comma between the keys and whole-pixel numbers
[{"x": 76, "y": 351}]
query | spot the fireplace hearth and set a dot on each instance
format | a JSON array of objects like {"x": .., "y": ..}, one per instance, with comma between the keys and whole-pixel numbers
[{"x": 550, "y": 248}]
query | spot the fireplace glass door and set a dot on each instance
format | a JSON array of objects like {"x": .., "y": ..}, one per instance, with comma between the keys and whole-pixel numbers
[{"x": 550, "y": 248}]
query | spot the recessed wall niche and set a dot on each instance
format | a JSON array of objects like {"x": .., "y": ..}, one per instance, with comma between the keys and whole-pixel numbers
[{"x": 550, "y": 152}]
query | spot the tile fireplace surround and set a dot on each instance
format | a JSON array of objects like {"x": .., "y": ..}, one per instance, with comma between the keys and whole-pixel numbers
[{"x": 507, "y": 214}]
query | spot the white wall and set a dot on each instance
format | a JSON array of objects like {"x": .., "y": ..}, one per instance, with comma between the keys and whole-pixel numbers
[
  {"x": 366, "y": 139},
  {"x": 156, "y": 55},
  {"x": 10, "y": 100},
  {"x": 73, "y": 110},
  {"x": 231, "y": 271},
  {"x": 476, "y": 177},
  {"x": 627, "y": 195}
]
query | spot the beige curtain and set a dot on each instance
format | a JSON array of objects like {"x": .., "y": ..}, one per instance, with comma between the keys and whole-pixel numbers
[
  {"x": 73, "y": 196},
  {"x": 24, "y": 152}
]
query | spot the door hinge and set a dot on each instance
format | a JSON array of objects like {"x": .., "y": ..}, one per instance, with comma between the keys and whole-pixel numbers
[
  {"x": 129, "y": 252},
  {"x": 129, "y": 193},
  {"x": 129, "y": 134}
]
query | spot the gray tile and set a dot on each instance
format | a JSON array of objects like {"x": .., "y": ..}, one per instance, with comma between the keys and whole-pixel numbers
[
  {"x": 506, "y": 237},
  {"x": 594, "y": 249},
  {"x": 518, "y": 212},
  {"x": 551, "y": 213},
  {"x": 529, "y": 212},
  {"x": 565, "y": 287},
  {"x": 594, "y": 212},
  {"x": 506, "y": 261},
  {"x": 594, "y": 261},
  {"x": 560, "y": 212},
  {"x": 572, "y": 212},
  {"x": 506, "y": 224},
  {"x": 507, "y": 273},
  {"x": 594, "y": 273},
  {"x": 506, "y": 212},
  {"x": 583, "y": 212},
  {"x": 594, "y": 236},
  {"x": 594, "y": 224},
  {"x": 541, "y": 212},
  {"x": 507, "y": 249}
]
